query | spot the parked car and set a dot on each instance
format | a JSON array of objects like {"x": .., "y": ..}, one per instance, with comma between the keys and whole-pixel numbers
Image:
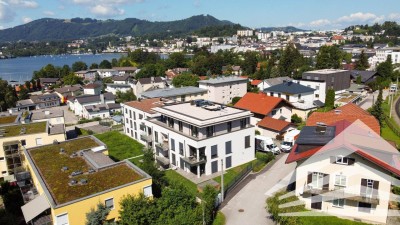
[{"x": 266, "y": 144}]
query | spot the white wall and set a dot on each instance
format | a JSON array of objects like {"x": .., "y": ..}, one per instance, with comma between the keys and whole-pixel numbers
[
  {"x": 224, "y": 92},
  {"x": 307, "y": 97},
  {"x": 320, "y": 88}
]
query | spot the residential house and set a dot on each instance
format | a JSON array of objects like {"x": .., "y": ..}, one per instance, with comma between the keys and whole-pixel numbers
[
  {"x": 301, "y": 97},
  {"x": 366, "y": 76},
  {"x": 338, "y": 80},
  {"x": 123, "y": 79},
  {"x": 39, "y": 102},
  {"x": 89, "y": 75},
  {"x": 68, "y": 190},
  {"x": 171, "y": 73},
  {"x": 122, "y": 71},
  {"x": 14, "y": 136},
  {"x": 107, "y": 72},
  {"x": 114, "y": 88},
  {"x": 224, "y": 89},
  {"x": 47, "y": 82},
  {"x": 181, "y": 94},
  {"x": 319, "y": 87},
  {"x": 337, "y": 39},
  {"x": 92, "y": 89},
  {"x": 262, "y": 84},
  {"x": 271, "y": 115},
  {"x": 100, "y": 110},
  {"x": 233, "y": 70},
  {"x": 78, "y": 103},
  {"x": 68, "y": 91},
  {"x": 147, "y": 84},
  {"x": 195, "y": 136},
  {"x": 345, "y": 169}
]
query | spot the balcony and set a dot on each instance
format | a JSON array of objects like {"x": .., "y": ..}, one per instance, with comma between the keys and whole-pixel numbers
[
  {"x": 164, "y": 161},
  {"x": 193, "y": 161},
  {"x": 145, "y": 137},
  {"x": 342, "y": 193},
  {"x": 162, "y": 147}
]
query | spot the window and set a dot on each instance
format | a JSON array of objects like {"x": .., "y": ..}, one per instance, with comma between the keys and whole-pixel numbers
[
  {"x": 194, "y": 130},
  {"x": 229, "y": 124},
  {"x": 273, "y": 113},
  {"x": 109, "y": 203},
  {"x": 126, "y": 111},
  {"x": 317, "y": 87},
  {"x": 271, "y": 93},
  {"x": 341, "y": 160},
  {"x": 172, "y": 144},
  {"x": 316, "y": 78},
  {"x": 180, "y": 148},
  {"x": 210, "y": 131},
  {"x": 317, "y": 95},
  {"x": 148, "y": 191},
  {"x": 340, "y": 181},
  {"x": 134, "y": 115},
  {"x": 243, "y": 123},
  {"x": 130, "y": 114},
  {"x": 333, "y": 79},
  {"x": 170, "y": 122},
  {"x": 279, "y": 95},
  {"x": 287, "y": 97},
  {"x": 339, "y": 202},
  {"x": 308, "y": 77},
  {"x": 180, "y": 124},
  {"x": 39, "y": 141},
  {"x": 299, "y": 96},
  {"x": 214, "y": 151},
  {"x": 1, "y": 158},
  {"x": 62, "y": 219},
  {"x": 228, "y": 162},
  {"x": 23, "y": 142},
  {"x": 247, "y": 142},
  {"x": 317, "y": 180},
  {"x": 140, "y": 116},
  {"x": 228, "y": 147},
  {"x": 156, "y": 136},
  {"x": 364, "y": 207},
  {"x": 3, "y": 172}
]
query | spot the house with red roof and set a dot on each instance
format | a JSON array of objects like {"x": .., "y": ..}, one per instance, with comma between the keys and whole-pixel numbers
[
  {"x": 345, "y": 169},
  {"x": 271, "y": 115}
]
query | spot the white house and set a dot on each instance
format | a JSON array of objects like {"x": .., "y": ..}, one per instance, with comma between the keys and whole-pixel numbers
[
  {"x": 319, "y": 87},
  {"x": 107, "y": 72},
  {"x": 345, "y": 169},
  {"x": 103, "y": 110},
  {"x": 92, "y": 89},
  {"x": 224, "y": 89},
  {"x": 114, "y": 88},
  {"x": 147, "y": 84},
  {"x": 78, "y": 103},
  {"x": 192, "y": 136}
]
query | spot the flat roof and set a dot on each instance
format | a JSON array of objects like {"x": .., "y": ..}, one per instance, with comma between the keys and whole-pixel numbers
[
  {"x": 221, "y": 80},
  {"x": 171, "y": 92},
  {"x": 100, "y": 174},
  {"x": 326, "y": 71},
  {"x": 7, "y": 119},
  {"x": 201, "y": 116},
  {"x": 47, "y": 114},
  {"x": 23, "y": 129}
]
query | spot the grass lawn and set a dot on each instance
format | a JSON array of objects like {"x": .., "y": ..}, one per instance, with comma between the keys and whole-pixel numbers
[
  {"x": 331, "y": 220},
  {"x": 389, "y": 135},
  {"x": 231, "y": 174},
  {"x": 137, "y": 162},
  {"x": 174, "y": 176},
  {"x": 120, "y": 146},
  {"x": 219, "y": 219},
  {"x": 30, "y": 128}
]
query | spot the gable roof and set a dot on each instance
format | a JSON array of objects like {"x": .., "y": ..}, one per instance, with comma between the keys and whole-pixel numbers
[
  {"x": 290, "y": 88},
  {"x": 48, "y": 80},
  {"x": 358, "y": 138},
  {"x": 92, "y": 86},
  {"x": 149, "y": 80},
  {"x": 349, "y": 112},
  {"x": 68, "y": 88},
  {"x": 273, "y": 124},
  {"x": 365, "y": 75},
  {"x": 256, "y": 82},
  {"x": 258, "y": 103},
  {"x": 277, "y": 80},
  {"x": 120, "y": 78}
]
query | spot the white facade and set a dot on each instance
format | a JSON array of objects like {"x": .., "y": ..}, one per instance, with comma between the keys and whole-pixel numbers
[
  {"x": 223, "y": 90},
  {"x": 113, "y": 88},
  {"x": 245, "y": 33},
  {"x": 194, "y": 142},
  {"x": 320, "y": 88},
  {"x": 107, "y": 73},
  {"x": 307, "y": 97}
]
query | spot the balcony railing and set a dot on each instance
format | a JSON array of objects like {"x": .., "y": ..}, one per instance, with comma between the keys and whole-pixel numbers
[
  {"x": 145, "y": 137},
  {"x": 162, "y": 146},
  {"x": 162, "y": 160},
  {"x": 193, "y": 161},
  {"x": 342, "y": 193}
]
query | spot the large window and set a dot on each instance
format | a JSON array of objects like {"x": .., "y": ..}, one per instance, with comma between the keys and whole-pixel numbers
[
  {"x": 228, "y": 147},
  {"x": 338, "y": 202},
  {"x": 214, "y": 151},
  {"x": 172, "y": 144},
  {"x": 317, "y": 180},
  {"x": 110, "y": 203},
  {"x": 180, "y": 148},
  {"x": 210, "y": 131},
  {"x": 180, "y": 124},
  {"x": 156, "y": 136},
  {"x": 340, "y": 181},
  {"x": 229, "y": 124},
  {"x": 364, "y": 207},
  {"x": 243, "y": 123},
  {"x": 62, "y": 219},
  {"x": 247, "y": 142},
  {"x": 170, "y": 122},
  {"x": 194, "y": 131}
]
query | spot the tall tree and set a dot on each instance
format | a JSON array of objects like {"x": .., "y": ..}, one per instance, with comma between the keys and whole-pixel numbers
[
  {"x": 377, "y": 110},
  {"x": 185, "y": 79},
  {"x": 330, "y": 99},
  {"x": 105, "y": 64},
  {"x": 176, "y": 60},
  {"x": 28, "y": 85},
  {"x": 249, "y": 64},
  {"x": 362, "y": 62},
  {"x": 385, "y": 69},
  {"x": 329, "y": 57},
  {"x": 23, "y": 93},
  {"x": 290, "y": 61},
  {"x": 78, "y": 66},
  {"x": 72, "y": 79},
  {"x": 125, "y": 96},
  {"x": 94, "y": 66}
]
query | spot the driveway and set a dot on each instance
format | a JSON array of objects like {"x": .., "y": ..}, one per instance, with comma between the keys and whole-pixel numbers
[
  {"x": 367, "y": 102},
  {"x": 251, "y": 198}
]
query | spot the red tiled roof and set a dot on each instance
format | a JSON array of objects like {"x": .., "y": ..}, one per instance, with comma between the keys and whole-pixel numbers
[
  {"x": 203, "y": 77},
  {"x": 349, "y": 112},
  {"x": 340, "y": 127},
  {"x": 273, "y": 124},
  {"x": 146, "y": 105},
  {"x": 255, "y": 82},
  {"x": 337, "y": 37},
  {"x": 246, "y": 77},
  {"x": 91, "y": 86},
  {"x": 258, "y": 103}
]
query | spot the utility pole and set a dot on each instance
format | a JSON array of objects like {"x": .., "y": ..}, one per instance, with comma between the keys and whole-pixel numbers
[{"x": 222, "y": 180}]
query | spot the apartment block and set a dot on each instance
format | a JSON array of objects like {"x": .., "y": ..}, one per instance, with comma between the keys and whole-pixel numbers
[
  {"x": 224, "y": 89},
  {"x": 338, "y": 80}
]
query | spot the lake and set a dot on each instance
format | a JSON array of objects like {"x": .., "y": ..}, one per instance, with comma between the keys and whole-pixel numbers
[{"x": 21, "y": 69}]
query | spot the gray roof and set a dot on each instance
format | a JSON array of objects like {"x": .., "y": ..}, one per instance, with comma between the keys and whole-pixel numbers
[
  {"x": 149, "y": 80},
  {"x": 365, "y": 75},
  {"x": 57, "y": 129},
  {"x": 26, "y": 102},
  {"x": 40, "y": 115},
  {"x": 68, "y": 88},
  {"x": 221, "y": 80},
  {"x": 290, "y": 88},
  {"x": 310, "y": 136},
  {"x": 277, "y": 80},
  {"x": 49, "y": 80},
  {"x": 94, "y": 98},
  {"x": 118, "y": 85},
  {"x": 121, "y": 78},
  {"x": 171, "y": 92}
]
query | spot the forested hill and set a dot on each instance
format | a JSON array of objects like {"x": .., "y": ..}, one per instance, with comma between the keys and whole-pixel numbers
[
  {"x": 284, "y": 29},
  {"x": 47, "y": 29}
]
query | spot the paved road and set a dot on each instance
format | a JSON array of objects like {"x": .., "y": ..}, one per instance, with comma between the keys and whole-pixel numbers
[
  {"x": 367, "y": 102},
  {"x": 251, "y": 198}
]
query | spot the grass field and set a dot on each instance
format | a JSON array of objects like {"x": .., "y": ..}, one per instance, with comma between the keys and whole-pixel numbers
[
  {"x": 120, "y": 146},
  {"x": 219, "y": 219},
  {"x": 174, "y": 176}
]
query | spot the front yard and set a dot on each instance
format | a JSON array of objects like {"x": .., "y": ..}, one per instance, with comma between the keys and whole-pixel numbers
[
  {"x": 173, "y": 176},
  {"x": 120, "y": 146}
]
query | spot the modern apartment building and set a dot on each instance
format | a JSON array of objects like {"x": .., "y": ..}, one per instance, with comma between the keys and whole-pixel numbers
[
  {"x": 224, "y": 89},
  {"x": 64, "y": 181},
  {"x": 194, "y": 136},
  {"x": 339, "y": 80}
]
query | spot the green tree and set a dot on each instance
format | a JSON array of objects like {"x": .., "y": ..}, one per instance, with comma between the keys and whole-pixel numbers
[
  {"x": 296, "y": 119},
  {"x": 105, "y": 64},
  {"x": 72, "y": 79},
  {"x": 23, "y": 93},
  {"x": 97, "y": 216},
  {"x": 151, "y": 70},
  {"x": 176, "y": 60},
  {"x": 249, "y": 63},
  {"x": 138, "y": 210},
  {"x": 235, "y": 100},
  {"x": 209, "y": 196},
  {"x": 376, "y": 110},
  {"x": 385, "y": 69},
  {"x": 358, "y": 79},
  {"x": 185, "y": 79},
  {"x": 329, "y": 57},
  {"x": 78, "y": 66},
  {"x": 290, "y": 61},
  {"x": 94, "y": 66},
  {"x": 114, "y": 62},
  {"x": 28, "y": 85},
  {"x": 362, "y": 62},
  {"x": 330, "y": 99},
  {"x": 33, "y": 82},
  {"x": 125, "y": 96}
]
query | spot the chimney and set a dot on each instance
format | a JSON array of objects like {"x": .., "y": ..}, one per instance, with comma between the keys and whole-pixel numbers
[{"x": 102, "y": 98}]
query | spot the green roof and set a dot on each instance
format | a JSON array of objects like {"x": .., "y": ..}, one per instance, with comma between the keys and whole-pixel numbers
[
  {"x": 24, "y": 129},
  {"x": 49, "y": 163},
  {"x": 7, "y": 119}
]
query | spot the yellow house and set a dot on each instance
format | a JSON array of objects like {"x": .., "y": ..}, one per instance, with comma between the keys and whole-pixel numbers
[
  {"x": 72, "y": 177},
  {"x": 14, "y": 136}
]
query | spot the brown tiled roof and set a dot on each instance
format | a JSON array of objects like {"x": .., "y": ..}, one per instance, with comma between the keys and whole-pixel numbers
[
  {"x": 349, "y": 112},
  {"x": 146, "y": 105},
  {"x": 273, "y": 124},
  {"x": 255, "y": 82},
  {"x": 91, "y": 86},
  {"x": 258, "y": 103}
]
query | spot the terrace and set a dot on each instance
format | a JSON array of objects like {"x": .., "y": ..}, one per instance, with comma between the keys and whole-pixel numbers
[
  {"x": 69, "y": 176},
  {"x": 23, "y": 129}
]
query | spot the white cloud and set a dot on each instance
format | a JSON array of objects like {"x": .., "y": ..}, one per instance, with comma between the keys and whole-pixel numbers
[
  {"x": 23, "y": 3},
  {"x": 394, "y": 16},
  {"x": 319, "y": 23},
  {"x": 6, "y": 13},
  {"x": 48, "y": 13},
  {"x": 106, "y": 2},
  {"x": 360, "y": 18},
  {"x": 26, "y": 19},
  {"x": 106, "y": 11}
]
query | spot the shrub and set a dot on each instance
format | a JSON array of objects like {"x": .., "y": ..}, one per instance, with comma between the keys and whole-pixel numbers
[
  {"x": 235, "y": 100},
  {"x": 257, "y": 132},
  {"x": 296, "y": 119}
]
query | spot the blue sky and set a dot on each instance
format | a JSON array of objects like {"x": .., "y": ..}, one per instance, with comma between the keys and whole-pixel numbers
[{"x": 310, "y": 14}]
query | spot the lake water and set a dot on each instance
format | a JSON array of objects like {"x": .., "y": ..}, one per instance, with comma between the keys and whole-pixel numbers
[{"x": 21, "y": 69}]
